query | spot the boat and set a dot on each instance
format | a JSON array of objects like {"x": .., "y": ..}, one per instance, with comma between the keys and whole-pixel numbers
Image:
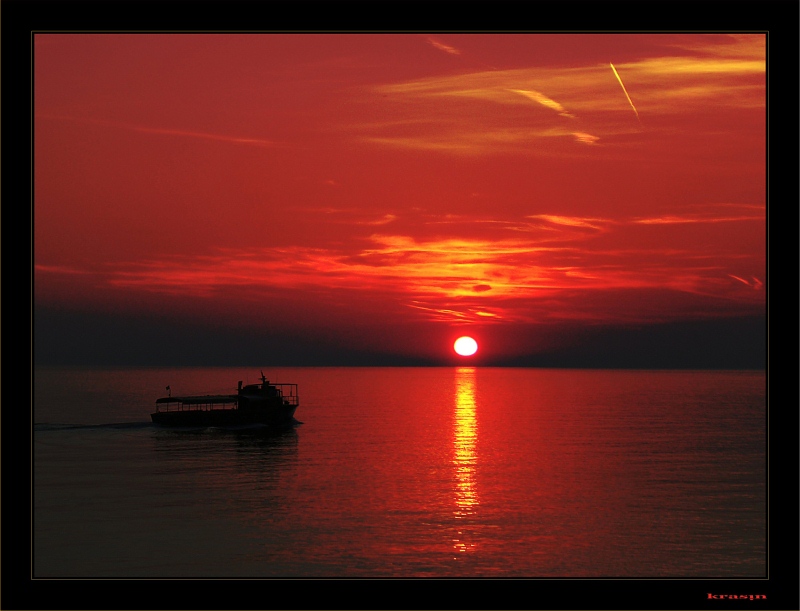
[{"x": 267, "y": 403}]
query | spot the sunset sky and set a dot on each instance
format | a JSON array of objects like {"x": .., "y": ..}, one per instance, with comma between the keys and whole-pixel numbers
[{"x": 367, "y": 198}]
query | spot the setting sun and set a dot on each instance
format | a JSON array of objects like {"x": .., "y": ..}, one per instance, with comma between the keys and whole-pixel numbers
[{"x": 465, "y": 346}]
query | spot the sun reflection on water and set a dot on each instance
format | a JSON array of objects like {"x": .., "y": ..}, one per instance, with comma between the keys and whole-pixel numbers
[{"x": 465, "y": 433}]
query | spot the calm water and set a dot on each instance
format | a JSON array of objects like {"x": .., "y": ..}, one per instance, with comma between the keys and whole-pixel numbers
[{"x": 406, "y": 472}]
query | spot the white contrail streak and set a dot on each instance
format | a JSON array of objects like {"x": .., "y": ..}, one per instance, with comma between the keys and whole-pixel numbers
[{"x": 626, "y": 92}]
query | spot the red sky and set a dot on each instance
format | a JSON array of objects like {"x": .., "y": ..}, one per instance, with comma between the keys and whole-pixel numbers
[{"x": 389, "y": 192}]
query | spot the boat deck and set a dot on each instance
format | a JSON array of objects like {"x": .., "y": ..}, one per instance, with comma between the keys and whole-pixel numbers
[{"x": 199, "y": 402}]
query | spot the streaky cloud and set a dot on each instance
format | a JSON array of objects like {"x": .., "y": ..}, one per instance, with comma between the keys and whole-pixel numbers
[
  {"x": 676, "y": 88},
  {"x": 585, "y": 138},
  {"x": 571, "y": 221},
  {"x": 384, "y": 220},
  {"x": 436, "y": 44},
  {"x": 165, "y": 131},
  {"x": 59, "y": 269},
  {"x": 544, "y": 101},
  {"x": 755, "y": 284},
  {"x": 682, "y": 220}
]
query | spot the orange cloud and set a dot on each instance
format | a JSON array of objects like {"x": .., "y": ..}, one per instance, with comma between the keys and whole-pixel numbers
[
  {"x": 544, "y": 101},
  {"x": 711, "y": 214},
  {"x": 586, "y": 138},
  {"x": 479, "y": 112},
  {"x": 592, "y": 223},
  {"x": 443, "y": 47},
  {"x": 448, "y": 278}
]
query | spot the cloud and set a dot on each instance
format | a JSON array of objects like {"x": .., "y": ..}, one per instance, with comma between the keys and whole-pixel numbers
[
  {"x": 462, "y": 141},
  {"x": 451, "y": 278},
  {"x": 684, "y": 220},
  {"x": 462, "y": 266},
  {"x": 443, "y": 47},
  {"x": 585, "y": 138},
  {"x": 384, "y": 220},
  {"x": 166, "y": 131},
  {"x": 59, "y": 269},
  {"x": 756, "y": 284},
  {"x": 203, "y": 135},
  {"x": 544, "y": 101},
  {"x": 571, "y": 221},
  {"x": 347, "y": 216},
  {"x": 482, "y": 112}
]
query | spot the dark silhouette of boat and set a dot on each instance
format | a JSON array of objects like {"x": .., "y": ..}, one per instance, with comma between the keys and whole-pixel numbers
[{"x": 271, "y": 404}]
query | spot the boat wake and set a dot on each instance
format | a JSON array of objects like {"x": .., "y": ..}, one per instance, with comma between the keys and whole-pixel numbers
[{"x": 62, "y": 426}]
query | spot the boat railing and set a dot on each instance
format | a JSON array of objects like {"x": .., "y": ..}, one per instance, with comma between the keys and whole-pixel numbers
[
  {"x": 209, "y": 403},
  {"x": 288, "y": 392}
]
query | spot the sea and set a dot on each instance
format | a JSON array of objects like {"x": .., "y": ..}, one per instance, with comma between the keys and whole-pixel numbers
[{"x": 440, "y": 472}]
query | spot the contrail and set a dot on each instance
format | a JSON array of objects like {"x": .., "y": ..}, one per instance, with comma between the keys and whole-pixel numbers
[{"x": 626, "y": 92}]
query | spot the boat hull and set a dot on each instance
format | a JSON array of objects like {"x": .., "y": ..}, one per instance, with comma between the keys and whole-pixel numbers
[{"x": 274, "y": 416}]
